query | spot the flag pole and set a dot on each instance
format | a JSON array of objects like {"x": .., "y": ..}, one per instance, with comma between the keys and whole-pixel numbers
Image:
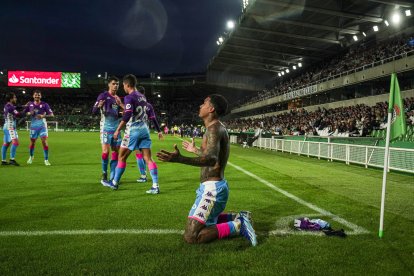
[
  {"x": 386, "y": 156},
  {"x": 384, "y": 177}
]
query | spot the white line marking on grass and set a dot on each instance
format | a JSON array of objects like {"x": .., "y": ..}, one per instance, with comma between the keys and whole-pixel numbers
[
  {"x": 92, "y": 232},
  {"x": 356, "y": 229}
]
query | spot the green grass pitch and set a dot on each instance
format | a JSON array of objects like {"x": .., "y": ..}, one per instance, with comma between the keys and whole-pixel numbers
[{"x": 130, "y": 232}]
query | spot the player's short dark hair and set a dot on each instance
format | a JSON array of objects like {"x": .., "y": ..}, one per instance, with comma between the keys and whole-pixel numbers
[
  {"x": 219, "y": 103},
  {"x": 130, "y": 80},
  {"x": 10, "y": 96},
  {"x": 141, "y": 89},
  {"x": 113, "y": 78},
  {"x": 36, "y": 91}
]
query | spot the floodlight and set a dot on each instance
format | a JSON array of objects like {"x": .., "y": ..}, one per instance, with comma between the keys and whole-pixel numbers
[
  {"x": 287, "y": 70},
  {"x": 99, "y": 75},
  {"x": 407, "y": 12},
  {"x": 279, "y": 74},
  {"x": 294, "y": 67},
  {"x": 386, "y": 23},
  {"x": 283, "y": 73},
  {"x": 218, "y": 43},
  {"x": 364, "y": 34},
  {"x": 300, "y": 64},
  {"x": 159, "y": 95},
  {"x": 221, "y": 39},
  {"x": 375, "y": 28},
  {"x": 355, "y": 38},
  {"x": 230, "y": 24},
  {"x": 396, "y": 18},
  {"x": 158, "y": 77}
]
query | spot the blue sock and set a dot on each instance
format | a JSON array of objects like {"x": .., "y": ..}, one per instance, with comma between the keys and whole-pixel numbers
[
  {"x": 141, "y": 166},
  {"x": 119, "y": 171},
  {"x": 154, "y": 173},
  {"x": 31, "y": 151},
  {"x": 112, "y": 165},
  {"x": 46, "y": 153},
  {"x": 13, "y": 151},
  {"x": 4, "y": 151}
]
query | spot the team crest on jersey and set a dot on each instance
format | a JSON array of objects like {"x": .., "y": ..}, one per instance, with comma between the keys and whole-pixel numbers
[
  {"x": 40, "y": 106},
  {"x": 128, "y": 106},
  {"x": 108, "y": 98}
]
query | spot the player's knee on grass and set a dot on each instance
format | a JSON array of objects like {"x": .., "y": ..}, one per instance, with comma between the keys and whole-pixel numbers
[{"x": 192, "y": 231}]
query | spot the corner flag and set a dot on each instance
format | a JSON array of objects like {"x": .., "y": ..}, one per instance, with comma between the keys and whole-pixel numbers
[
  {"x": 396, "y": 108},
  {"x": 395, "y": 128}
]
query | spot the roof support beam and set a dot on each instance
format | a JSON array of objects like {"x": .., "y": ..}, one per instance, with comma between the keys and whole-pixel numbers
[
  {"x": 270, "y": 52},
  {"x": 295, "y": 46},
  {"x": 317, "y": 26},
  {"x": 266, "y": 64},
  {"x": 323, "y": 11},
  {"x": 229, "y": 65},
  {"x": 324, "y": 40},
  {"x": 394, "y": 3},
  {"x": 288, "y": 62}
]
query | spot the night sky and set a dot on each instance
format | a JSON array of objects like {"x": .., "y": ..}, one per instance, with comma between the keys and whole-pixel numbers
[{"x": 119, "y": 37}]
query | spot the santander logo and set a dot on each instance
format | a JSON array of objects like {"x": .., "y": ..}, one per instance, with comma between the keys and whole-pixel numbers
[
  {"x": 35, "y": 79},
  {"x": 13, "y": 79}
]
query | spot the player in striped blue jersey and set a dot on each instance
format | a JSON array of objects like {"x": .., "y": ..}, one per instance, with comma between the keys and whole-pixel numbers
[{"x": 139, "y": 156}]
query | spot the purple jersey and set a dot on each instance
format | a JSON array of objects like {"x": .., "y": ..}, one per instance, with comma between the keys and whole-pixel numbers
[
  {"x": 10, "y": 115},
  {"x": 151, "y": 117},
  {"x": 41, "y": 108},
  {"x": 109, "y": 112},
  {"x": 150, "y": 112},
  {"x": 135, "y": 114}
]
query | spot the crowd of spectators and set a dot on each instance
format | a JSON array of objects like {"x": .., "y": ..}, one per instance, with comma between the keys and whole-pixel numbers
[
  {"x": 355, "y": 59},
  {"x": 359, "y": 120}
]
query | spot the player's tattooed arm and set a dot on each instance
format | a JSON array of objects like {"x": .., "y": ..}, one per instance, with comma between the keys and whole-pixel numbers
[
  {"x": 207, "y": 159},
  {"x": 191, "y": 147}
]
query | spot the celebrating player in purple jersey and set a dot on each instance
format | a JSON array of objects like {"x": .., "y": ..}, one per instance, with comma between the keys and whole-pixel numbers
[
  {"x": 206, "y": 222},
  {"x": 10, "y": 131},
  {"x": 139, "y": 156},
  {"x": 109, "y": 105},
  {"x": 136, "y": 134},
  {"x": 38, "y": 111}
]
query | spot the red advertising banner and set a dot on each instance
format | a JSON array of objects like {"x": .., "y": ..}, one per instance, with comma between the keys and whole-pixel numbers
[{"x": 34, "y": 79}]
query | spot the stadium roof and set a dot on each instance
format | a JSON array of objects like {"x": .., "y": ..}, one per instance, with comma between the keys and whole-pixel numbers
[{"x": 274, "y": 35}]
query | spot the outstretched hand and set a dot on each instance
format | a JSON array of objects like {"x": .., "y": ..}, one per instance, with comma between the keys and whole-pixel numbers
[
  {"x": 101, "y": 103},
  {"x": 190, "y": 146},
  {"x": 166, "y": 156},
  {"x": 118, "y": 100}
]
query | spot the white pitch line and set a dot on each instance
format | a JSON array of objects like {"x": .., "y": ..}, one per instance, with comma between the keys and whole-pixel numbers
[
  {"x": 357, "y": 229},
  {"x": 91, "y": 232}
]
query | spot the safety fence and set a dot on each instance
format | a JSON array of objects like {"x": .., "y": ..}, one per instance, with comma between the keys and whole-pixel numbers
[{"x": 401, "y": 159}]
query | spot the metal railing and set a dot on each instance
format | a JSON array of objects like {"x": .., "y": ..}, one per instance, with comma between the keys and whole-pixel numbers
[{"x": 401, "y": 159}]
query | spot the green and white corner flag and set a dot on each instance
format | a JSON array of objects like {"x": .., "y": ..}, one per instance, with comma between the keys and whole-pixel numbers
[
  {"x": 396, "y": 127},
  {"x": 396, "y": 108}
]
